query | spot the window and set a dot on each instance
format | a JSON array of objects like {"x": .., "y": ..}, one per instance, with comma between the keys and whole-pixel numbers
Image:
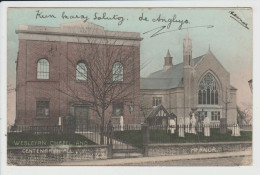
[
  {"x": 42, "y": 109},
  {"x": 208, "y": 90},
  {"x": 202, "y": 115},
  {"x": 215, "y": 115},
  {"x": 43, "y": 69},
  {"x": 118, "y": 71},
  {"x": 81, "y": 72},
  {"x": 157, "y": 101},
  {"x": 118, "y": 109}
]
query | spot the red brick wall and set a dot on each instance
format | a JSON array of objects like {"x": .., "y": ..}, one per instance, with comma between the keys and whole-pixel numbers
[{"x": 61, "y": 85}]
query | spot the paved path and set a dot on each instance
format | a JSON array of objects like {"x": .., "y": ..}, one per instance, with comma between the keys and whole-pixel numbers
[{"x": 147, "y": 160}]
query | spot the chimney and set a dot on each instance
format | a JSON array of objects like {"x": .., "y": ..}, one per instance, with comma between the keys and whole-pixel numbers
[{"x": 167, "y": 61}]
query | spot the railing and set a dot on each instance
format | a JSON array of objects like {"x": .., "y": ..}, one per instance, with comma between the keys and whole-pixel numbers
[
  {"x": 93, "y": 133},
  {"x": 213, "y": 132},
  {"x": 134, "y": 135}
]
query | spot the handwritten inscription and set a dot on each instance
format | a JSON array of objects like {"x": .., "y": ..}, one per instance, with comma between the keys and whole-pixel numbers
[
  {"x": 40, "y": 14},
  {"x": 238, "y": 19},
  {"x": 103, "y": 16},
  {"x": 169, "y": 24}
]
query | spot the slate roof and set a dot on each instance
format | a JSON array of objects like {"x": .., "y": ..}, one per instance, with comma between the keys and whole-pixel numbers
[{"x": 172, "y": 78}]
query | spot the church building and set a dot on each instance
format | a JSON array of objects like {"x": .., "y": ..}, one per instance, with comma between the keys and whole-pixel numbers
[
  {"x": 200, "y": 85},
  {"x": 77, "y": 69}
]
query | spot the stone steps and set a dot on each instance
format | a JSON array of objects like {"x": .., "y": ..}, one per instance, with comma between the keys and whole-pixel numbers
[{"x": 126, "y": 153}]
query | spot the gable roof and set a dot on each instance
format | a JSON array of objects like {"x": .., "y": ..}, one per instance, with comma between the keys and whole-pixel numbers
[
  {"x": 172, "y": 78},
  {"x": 156, "y": 110}
]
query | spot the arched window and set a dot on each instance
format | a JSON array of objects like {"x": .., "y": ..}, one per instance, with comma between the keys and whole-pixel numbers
[
  {"x": 81, "y": 72},
  {"x": 43, "y": 69},
  {"x": 118, "y": 71},
  {"x": 208, "y": 90}
]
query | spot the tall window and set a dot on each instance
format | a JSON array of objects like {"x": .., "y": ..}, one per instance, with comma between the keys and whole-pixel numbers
[
  {"x": 157, "y": 101},
  {"x": 81, "y": 72},
  {"x": 208, "y": 90},
  {"x": 42, "y": 109},
  {"x": 118, "y": 109},
  {"x": 118, "y": 71},
  {"x": 43, "y": 69}
]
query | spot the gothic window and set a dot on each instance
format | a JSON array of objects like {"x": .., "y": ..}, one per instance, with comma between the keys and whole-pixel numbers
[
  {"x": 43, "y": 69},
  {"x": 208, "y": 90},
  {"x": 81, "y": 71},
  {"x": 42, "y": 109},
  {"x": 118, "y": 70},
  {"x": 157, "y": 101}
]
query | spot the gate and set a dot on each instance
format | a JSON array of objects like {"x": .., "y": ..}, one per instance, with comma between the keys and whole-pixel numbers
[{"x": 125, "y": 141}]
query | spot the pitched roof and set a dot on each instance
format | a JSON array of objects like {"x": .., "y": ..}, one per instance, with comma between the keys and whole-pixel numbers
[{"x": 172, "y": 78}]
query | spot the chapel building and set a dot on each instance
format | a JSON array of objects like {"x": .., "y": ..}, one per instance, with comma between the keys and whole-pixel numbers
[
  {"x": 200, "y": 85},
  {"x": 66, "y": 70}
]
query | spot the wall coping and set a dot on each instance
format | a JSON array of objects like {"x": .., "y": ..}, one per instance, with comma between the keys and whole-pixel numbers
[
  {"x": 207, "y": 143},
  {"x": 56, "y": 146}
]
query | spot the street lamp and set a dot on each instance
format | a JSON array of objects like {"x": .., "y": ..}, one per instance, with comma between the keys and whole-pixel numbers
[{"x": 250, "y": 82}]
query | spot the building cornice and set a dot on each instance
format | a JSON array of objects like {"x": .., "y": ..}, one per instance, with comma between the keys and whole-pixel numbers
[{"x": 78, "y": 35}]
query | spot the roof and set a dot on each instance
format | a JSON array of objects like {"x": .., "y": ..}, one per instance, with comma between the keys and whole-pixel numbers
[
  {"x": 156, "y": 110},
  {"x": 172, "y": 78}
]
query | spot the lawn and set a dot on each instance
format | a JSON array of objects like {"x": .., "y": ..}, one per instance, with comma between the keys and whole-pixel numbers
[
  {"x": 159, "y": 136},
  {"x": 29, "y": 139}
]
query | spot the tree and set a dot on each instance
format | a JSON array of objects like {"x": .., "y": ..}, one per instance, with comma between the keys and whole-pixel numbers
[
  {"x": 244, "y": 113},
  {"x": 106, "y": 71}
]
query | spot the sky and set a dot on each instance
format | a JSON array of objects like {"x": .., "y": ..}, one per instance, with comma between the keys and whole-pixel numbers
[{"x": 229, "y": 41}]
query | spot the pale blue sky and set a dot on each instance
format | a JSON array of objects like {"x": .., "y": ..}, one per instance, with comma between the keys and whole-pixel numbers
[{"x": 229, "y": 41}]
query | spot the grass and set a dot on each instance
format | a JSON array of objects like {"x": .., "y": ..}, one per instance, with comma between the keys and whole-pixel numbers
[
  {"x": 159, "y": 136},
  {"x": 29, "y": 139}
]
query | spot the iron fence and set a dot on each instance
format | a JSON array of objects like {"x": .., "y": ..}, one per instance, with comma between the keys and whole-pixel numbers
[
  {"x": 213, "y": 132},
  {"x": 132, "y": 135}
]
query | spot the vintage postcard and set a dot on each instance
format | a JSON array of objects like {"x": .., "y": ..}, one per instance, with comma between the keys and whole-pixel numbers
[{"x": 100, "y": 86}]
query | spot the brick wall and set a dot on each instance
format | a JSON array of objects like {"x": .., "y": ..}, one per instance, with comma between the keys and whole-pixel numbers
[
  {"x": 62, "y": 57},
  {"x": 54, "y": 155},
  {"x": 196, "y": 148}
]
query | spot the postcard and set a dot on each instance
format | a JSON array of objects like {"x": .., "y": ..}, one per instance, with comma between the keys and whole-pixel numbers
[{"x": 129, "y": 86}]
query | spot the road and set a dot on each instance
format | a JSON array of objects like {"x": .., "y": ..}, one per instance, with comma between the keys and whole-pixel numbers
[{"x": 229, "y": 161}]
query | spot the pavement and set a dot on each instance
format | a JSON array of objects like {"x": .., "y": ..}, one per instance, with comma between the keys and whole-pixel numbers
[{"x": 145, "y": 160}]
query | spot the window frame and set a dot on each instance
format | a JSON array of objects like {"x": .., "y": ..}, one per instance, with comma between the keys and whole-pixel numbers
[
  {"x": 157, "y": 101},
  {"x": 114, "y": 108},
  {"x": 215, "y": 116},
  {"x": 118, "y": 77},
  {"x": 79, "y": 73},
  {"x": 36, "y": 110},
  {"x": 39, "y": 72},
  {"x": 208, "y": 91}
]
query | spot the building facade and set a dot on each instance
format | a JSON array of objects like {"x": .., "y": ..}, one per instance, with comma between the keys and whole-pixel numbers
[
  {"x": 200, "y": 85},
  {"x": 77, "y": 69}
]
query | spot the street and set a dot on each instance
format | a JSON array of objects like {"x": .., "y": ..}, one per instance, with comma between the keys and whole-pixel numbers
[{"x": 228, "y": 161}]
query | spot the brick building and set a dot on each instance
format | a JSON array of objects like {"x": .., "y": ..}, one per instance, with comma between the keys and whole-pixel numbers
[
  {"x": 199, "y": 84},
  {"x": 74, "y": 69}
]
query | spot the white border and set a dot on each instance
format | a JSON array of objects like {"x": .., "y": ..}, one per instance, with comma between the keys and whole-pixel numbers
[{"x": 130, "y": 170}]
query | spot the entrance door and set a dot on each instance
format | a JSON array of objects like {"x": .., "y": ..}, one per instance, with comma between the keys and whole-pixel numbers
[{"x": 82, "y": 117}]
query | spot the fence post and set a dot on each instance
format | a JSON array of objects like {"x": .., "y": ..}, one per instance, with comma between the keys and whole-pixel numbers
[
  {"x": 223, "y": 125},
  {"x": 145, "y": 133}
]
